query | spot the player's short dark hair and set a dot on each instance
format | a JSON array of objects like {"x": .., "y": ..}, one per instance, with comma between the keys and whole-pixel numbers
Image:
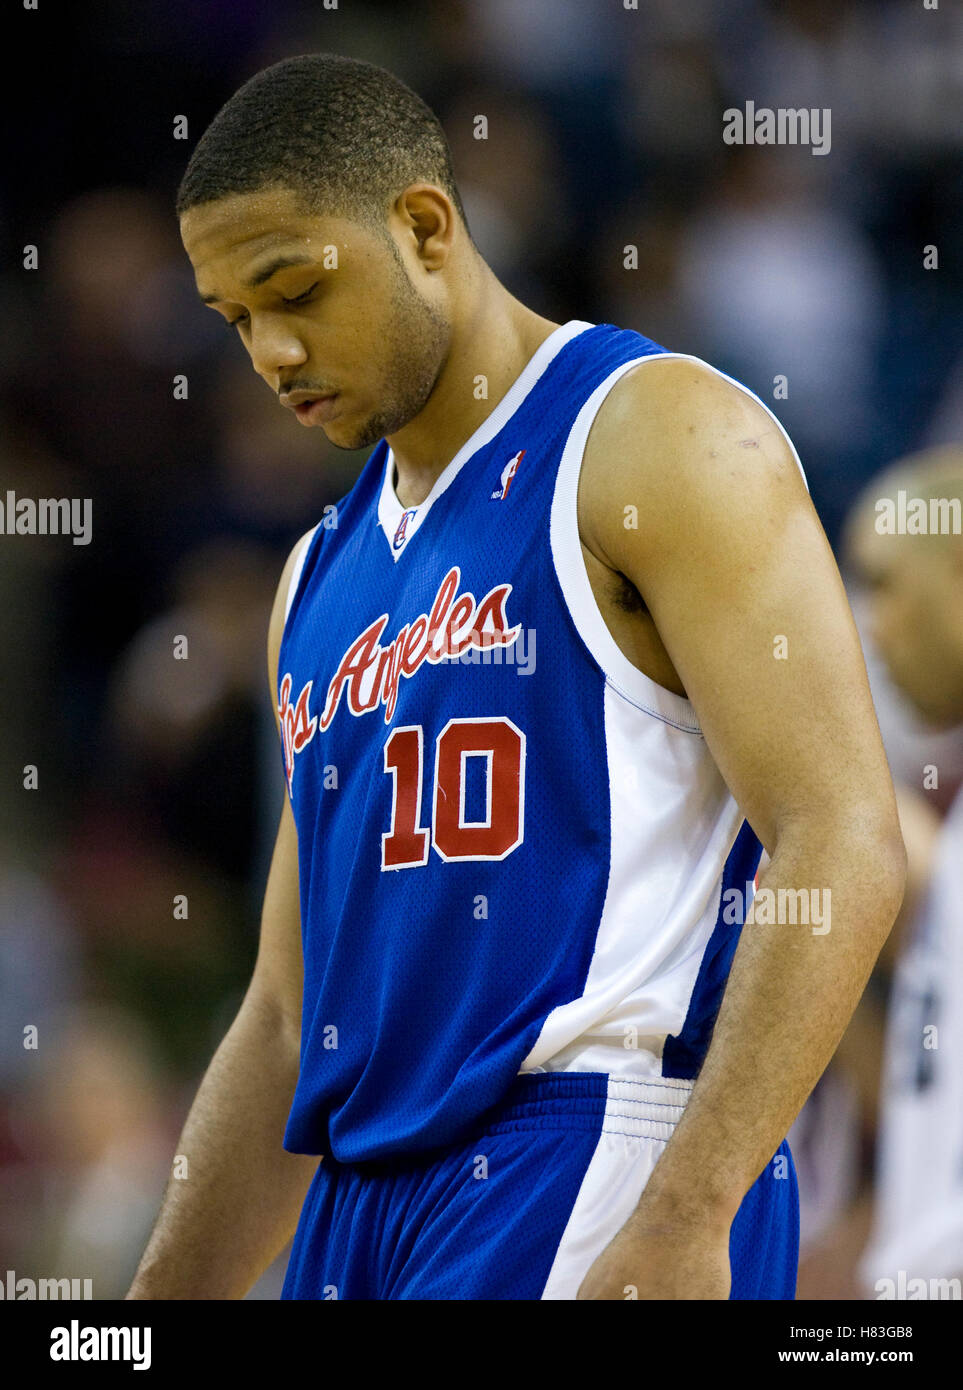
[{"x": 346, "y": 136}]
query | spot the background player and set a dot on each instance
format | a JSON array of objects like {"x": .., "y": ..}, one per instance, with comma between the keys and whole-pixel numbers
[{"x": 915, "y": 585}]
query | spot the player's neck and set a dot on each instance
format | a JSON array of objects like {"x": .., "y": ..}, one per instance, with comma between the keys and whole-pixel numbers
[{"x": 489, "y": 350}]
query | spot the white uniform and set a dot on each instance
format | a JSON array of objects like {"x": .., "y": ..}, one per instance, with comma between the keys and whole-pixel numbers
[{"x": 918, "y": 1228}]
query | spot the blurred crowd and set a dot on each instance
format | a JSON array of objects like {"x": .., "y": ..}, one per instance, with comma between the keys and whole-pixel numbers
[{"x": 159, "y": 777}]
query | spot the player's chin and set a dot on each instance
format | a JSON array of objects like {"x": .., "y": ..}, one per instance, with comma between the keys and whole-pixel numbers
[
  {"x": 334, "y": 427},
  {"x": 344, "y": 433}
]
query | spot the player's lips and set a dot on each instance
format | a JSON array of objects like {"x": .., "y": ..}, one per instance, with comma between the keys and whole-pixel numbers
[{"x": 309, "y": 407}]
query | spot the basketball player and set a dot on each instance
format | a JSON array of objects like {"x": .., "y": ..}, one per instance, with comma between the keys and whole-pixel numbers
[
  {"x": 575, "y": 648},
  {"x": 915, "y": 577}
]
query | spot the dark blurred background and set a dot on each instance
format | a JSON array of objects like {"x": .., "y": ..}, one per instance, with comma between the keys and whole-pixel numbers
[{"x": 159, "y": 777}]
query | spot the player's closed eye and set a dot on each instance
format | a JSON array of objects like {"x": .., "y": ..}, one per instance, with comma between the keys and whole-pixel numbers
[{"x": 298, "y": 299}]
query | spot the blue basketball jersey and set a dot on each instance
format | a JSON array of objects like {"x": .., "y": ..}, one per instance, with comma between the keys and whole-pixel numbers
[{"x": 516, "y": 853}]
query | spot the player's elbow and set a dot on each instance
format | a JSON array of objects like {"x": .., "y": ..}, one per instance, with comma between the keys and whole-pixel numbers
[
  {"x": 277, "y": 1017},
  {"x": 860, "y": 852},
  {"x": 886, "y": 872},
  {"x": 873, "y": 857}
]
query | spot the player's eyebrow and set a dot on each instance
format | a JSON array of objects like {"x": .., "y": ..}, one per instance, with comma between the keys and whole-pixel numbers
[{"x": 260, "y": 276}]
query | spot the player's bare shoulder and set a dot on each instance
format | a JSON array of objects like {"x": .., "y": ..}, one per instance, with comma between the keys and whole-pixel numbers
[{"x": 676, "y": 444}]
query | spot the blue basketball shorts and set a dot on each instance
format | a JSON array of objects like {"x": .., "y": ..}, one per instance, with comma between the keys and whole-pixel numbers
[{"x": 523, "y": 1208}]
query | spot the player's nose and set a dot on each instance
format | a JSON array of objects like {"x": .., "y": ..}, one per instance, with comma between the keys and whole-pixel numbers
[{"x": 275, "y": 349}]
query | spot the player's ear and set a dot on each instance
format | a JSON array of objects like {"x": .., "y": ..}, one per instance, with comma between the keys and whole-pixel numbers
[{"x": 427, "y": 215}]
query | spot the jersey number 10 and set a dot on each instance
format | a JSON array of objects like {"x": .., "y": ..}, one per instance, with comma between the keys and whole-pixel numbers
[{"x": 502, "y": 745}]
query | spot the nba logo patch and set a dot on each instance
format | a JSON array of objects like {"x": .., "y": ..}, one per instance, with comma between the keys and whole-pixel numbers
[
  {"x": 399, "y": 537},
  {"x": 508, "y": 473}
]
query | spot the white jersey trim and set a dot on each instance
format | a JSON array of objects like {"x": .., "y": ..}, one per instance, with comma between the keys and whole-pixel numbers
[
  {"x": 297, "y": 570},
  {"x": 673, "y": 822}
]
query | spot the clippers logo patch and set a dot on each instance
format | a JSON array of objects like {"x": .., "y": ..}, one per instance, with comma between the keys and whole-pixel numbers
[{"x": 402, "y": 529}]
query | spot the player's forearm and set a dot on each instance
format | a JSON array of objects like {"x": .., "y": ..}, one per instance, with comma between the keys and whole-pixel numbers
[
  {"x": 790, "y": 995},
  {"x": 226, "y": 1218}
]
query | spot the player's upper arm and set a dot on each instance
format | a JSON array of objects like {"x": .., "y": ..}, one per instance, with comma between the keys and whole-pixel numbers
[
  {"x": 735, "y": 568},
  {"x": 278, "y": 979}
]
